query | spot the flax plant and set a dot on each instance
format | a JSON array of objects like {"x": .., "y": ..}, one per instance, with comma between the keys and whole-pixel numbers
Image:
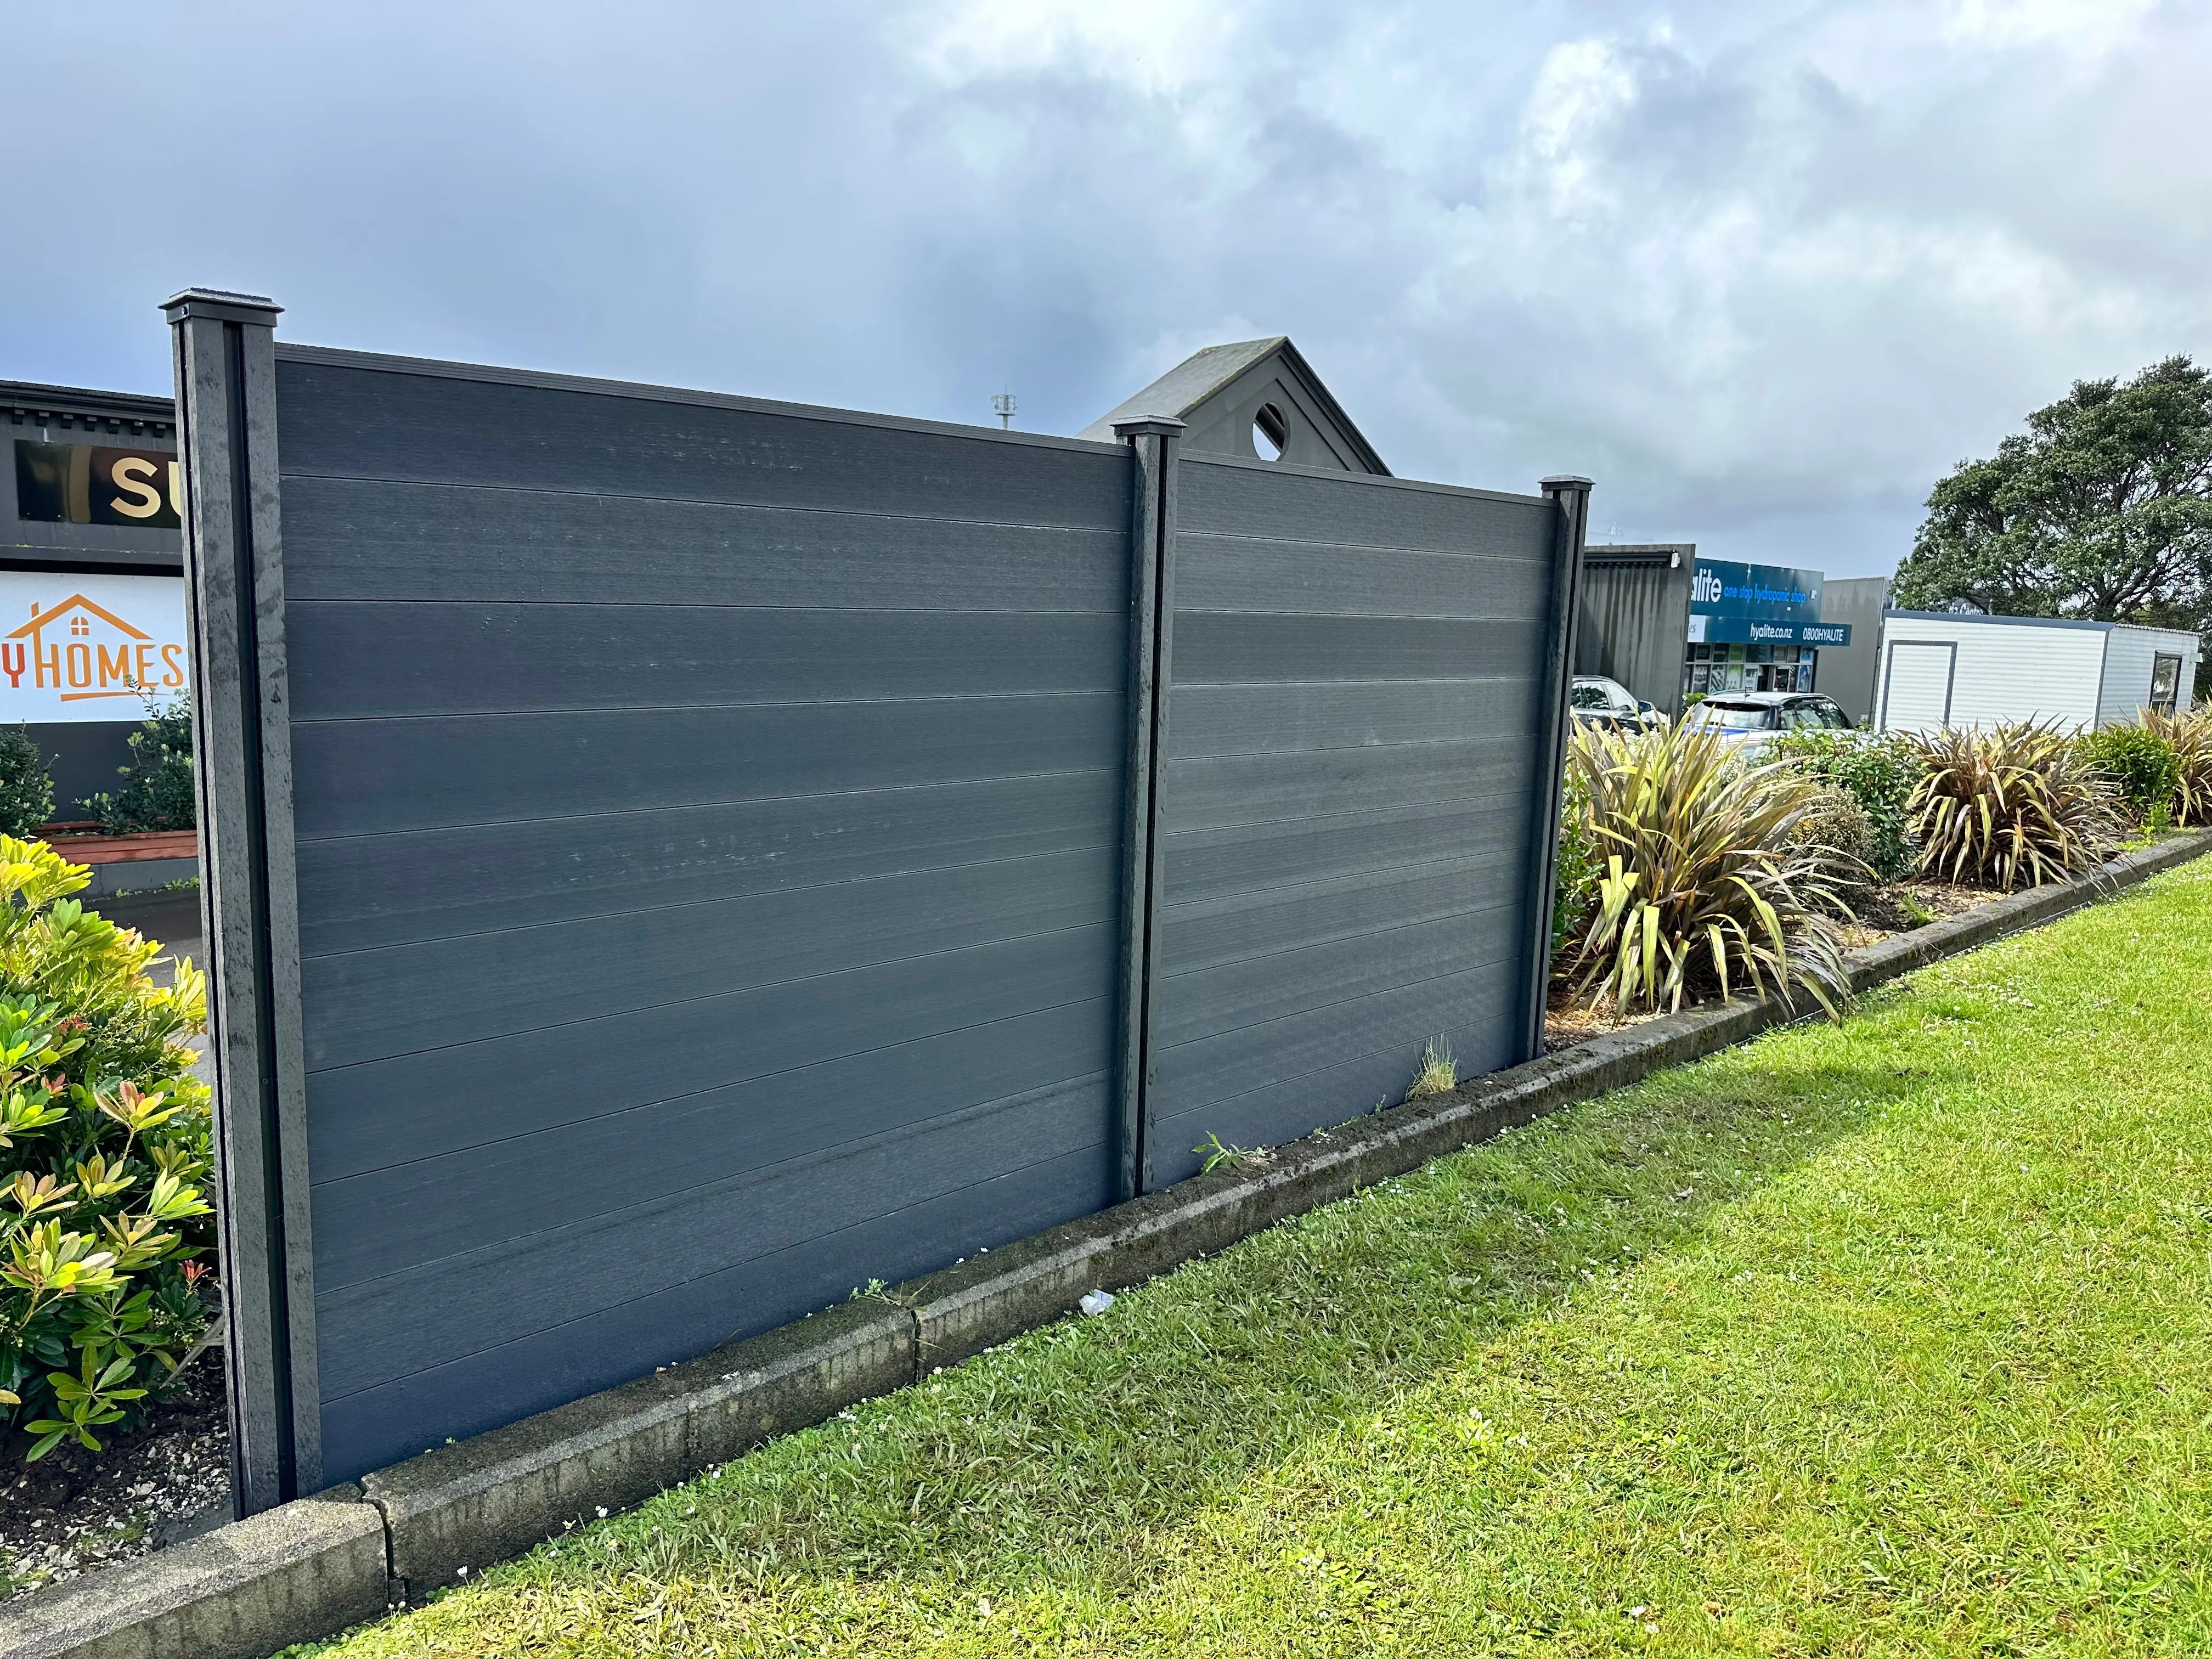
[
  {"x": 2012, "y": 805},
  {"x": 2190, "y": 736},
  {"x": 1706, "y": 886}
]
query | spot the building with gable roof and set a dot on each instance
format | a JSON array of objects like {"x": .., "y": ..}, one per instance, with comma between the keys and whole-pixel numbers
[{"x": 1247, "y": 400}]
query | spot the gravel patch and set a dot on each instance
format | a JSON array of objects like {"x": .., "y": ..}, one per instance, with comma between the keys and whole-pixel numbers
[{"x": 73, "y": 1510}]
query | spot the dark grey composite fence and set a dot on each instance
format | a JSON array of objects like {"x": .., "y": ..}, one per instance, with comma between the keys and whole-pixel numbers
[{"x": 673, "y": 859}]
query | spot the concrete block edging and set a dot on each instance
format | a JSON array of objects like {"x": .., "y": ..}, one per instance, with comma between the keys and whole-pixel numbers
[{"x": 314, "y": 1567}]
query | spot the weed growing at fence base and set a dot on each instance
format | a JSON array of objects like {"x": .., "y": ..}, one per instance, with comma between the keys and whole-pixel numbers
[{"x": 1889, "y": 1338}]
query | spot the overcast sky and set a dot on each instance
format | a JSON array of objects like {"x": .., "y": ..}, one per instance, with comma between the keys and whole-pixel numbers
[{"x": 1764, "y": 272}]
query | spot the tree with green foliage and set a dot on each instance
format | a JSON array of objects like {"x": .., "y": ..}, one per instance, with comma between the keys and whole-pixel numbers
[
  {"x": 2102, "y": 510},
  {"x": 157, "y": 791}
]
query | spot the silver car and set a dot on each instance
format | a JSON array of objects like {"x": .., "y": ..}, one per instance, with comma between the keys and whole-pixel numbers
[{"x": 1753, "y": 719}]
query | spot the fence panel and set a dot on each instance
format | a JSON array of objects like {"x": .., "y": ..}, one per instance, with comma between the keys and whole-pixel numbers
[
  {"x": 676, "y": 859},
  {"x": 1353, "y": 766},
  {"x": 708, "y": 825}
]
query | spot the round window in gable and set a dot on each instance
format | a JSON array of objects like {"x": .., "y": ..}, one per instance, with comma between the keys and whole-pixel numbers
[{"x": 1269, "y": 433}]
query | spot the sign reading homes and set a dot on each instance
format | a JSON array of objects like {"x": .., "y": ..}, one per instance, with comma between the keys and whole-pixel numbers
[
  {"x": 88, "y": 647},
  {"x": 87, "y": 483}
]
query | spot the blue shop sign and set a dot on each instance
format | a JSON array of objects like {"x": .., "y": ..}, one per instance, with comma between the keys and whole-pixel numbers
[
  {"x": 1748, "y": 630},
  {"x": 1765, "y": 592}
]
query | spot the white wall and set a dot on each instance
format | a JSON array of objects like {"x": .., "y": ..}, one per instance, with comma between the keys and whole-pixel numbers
[
  {"x": 2004, "y": 669},
  {"x": 2128, "y": 662}
]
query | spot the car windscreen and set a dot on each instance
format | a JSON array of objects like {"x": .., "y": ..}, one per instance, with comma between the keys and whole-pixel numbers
[{"x": 1736, "y": 717}]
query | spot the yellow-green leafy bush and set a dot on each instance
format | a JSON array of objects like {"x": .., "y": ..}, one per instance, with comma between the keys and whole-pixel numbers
[
  {"x": 1705, "y": 885},
  {"x": 2011, "y": 806},
  {"x": 104, "y": 1151}
]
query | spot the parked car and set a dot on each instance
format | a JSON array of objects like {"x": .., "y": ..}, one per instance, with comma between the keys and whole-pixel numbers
[
  {"x": 1755, "y": 718},
  {"x": 1598, "y": 701}
]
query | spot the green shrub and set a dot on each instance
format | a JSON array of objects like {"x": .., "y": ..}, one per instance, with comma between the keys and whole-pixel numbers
[
  {"x": 26, "y": 789},
  {"x": 1705, "y": 887},
  {"x": 2013, "y": 805},
  {"x": 157, "y": 791},
  {"x": 2190, "y": 736},
  {"x": 1880, "y": 772},
  {"x": 2141, "y": 765},
  {"x": 1579, "y": 866},
  {"x": 1836, "y": 830},
  {"x": 104, "y": 1145}
]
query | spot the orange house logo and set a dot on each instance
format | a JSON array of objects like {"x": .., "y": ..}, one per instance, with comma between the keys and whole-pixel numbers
[{"x": 83, "y": 651}]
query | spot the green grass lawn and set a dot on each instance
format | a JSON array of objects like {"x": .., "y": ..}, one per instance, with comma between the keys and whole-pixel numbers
[{"x": 1889, "y": 1338}]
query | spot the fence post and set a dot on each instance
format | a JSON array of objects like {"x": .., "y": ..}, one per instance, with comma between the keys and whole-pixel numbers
[
  {"x": 1155, "y": 442},
  {"x": 1570, "y": 495},
  {"x": 224, "y": 349}
]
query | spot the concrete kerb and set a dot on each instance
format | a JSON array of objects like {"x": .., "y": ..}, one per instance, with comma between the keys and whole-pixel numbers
[
  {"x": 312, "y": 1568},
  {"x": 298, "y": 1571}
]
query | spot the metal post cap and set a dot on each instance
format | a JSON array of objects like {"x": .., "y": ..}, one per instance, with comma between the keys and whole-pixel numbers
[{"x": 223, "y": 306}]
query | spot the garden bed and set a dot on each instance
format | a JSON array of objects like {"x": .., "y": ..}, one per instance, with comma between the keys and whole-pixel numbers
[
  {"x": 74, "y": 1511},
  {"x": 1886, "y": 913}
]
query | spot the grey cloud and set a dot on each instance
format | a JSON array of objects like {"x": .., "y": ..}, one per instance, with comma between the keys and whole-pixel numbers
[{"x": 1763, "y": 271}]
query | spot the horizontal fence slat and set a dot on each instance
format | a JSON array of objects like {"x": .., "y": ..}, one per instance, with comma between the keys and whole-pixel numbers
[
  {"x": 483, "y": 1390},
  {"x": 502, "y": 1293},
  {"x": 371, "y": 1004},
  {"x": 363, "y": 892},
  {"x": 384, "y": 539},
  {"x": 1208, "y": 867},
  {"x": 1214, "y": 792},
  {"x": 1229, "y": 573},
  {"x": 362, "y": 661},
  {"x": 492, "y": 769},
  {"x": 410, "y": 1215},
  {"x": 1313, "y": 1086},
  {"x": 360, "y": 422},
  {"x": 1243, "y": 720},
  {"x": 1350, "y": 511},
  {"x": 1212, "y": 1007},
  {"x": 418, "y": 1105},
  {"x": 1249, "y": 648},
  {"x": 1253, "y": 926}
]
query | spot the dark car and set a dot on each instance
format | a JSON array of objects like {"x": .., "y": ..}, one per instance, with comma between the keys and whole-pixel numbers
[
  {"x": 1755, "y": 719},
  {"x": 1597, "y": 700}
]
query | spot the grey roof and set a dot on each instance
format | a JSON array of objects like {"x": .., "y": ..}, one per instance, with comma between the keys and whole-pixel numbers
[
  {"x": 1205, "y": 373},
  {"x": 1186, "y": 386}
]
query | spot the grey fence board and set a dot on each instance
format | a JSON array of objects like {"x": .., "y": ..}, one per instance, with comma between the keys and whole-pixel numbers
[
  {"x": 1315, "y": 1071},
  {"x": 378, "y": 539},
  {"x": 1302, "y": 716},
  {"x": 587, "y": 1262},
  {"x": 1229, "y": 860},
  {"x": 493, "y": 769},
  {"x": 527, "y": 658},
  {"x": 745, "y": 850},
  {"x": 720, "y": 1043},
  {"x": 364, "y": 420},
  {"x": 402, "y": 887},
  {"x": 1226, "y": 572},
  {"x": 560, "y": 1363},
  {"x": 1214, "y": 792},
  {"x": 398, "y": 1000}
]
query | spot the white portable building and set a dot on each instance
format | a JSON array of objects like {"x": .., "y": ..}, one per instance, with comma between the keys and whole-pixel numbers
[{"x": 1939, "y": 669}]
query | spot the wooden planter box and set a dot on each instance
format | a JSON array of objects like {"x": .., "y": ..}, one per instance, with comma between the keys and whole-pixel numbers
[{"x": 82, "y": 843}]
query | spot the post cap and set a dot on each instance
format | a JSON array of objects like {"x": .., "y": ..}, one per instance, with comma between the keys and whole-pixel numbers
[
  {"x": 1566, "y": 484},
  {"x": 223, "y": 306},
  {"x": 1148, "y": 426}
]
